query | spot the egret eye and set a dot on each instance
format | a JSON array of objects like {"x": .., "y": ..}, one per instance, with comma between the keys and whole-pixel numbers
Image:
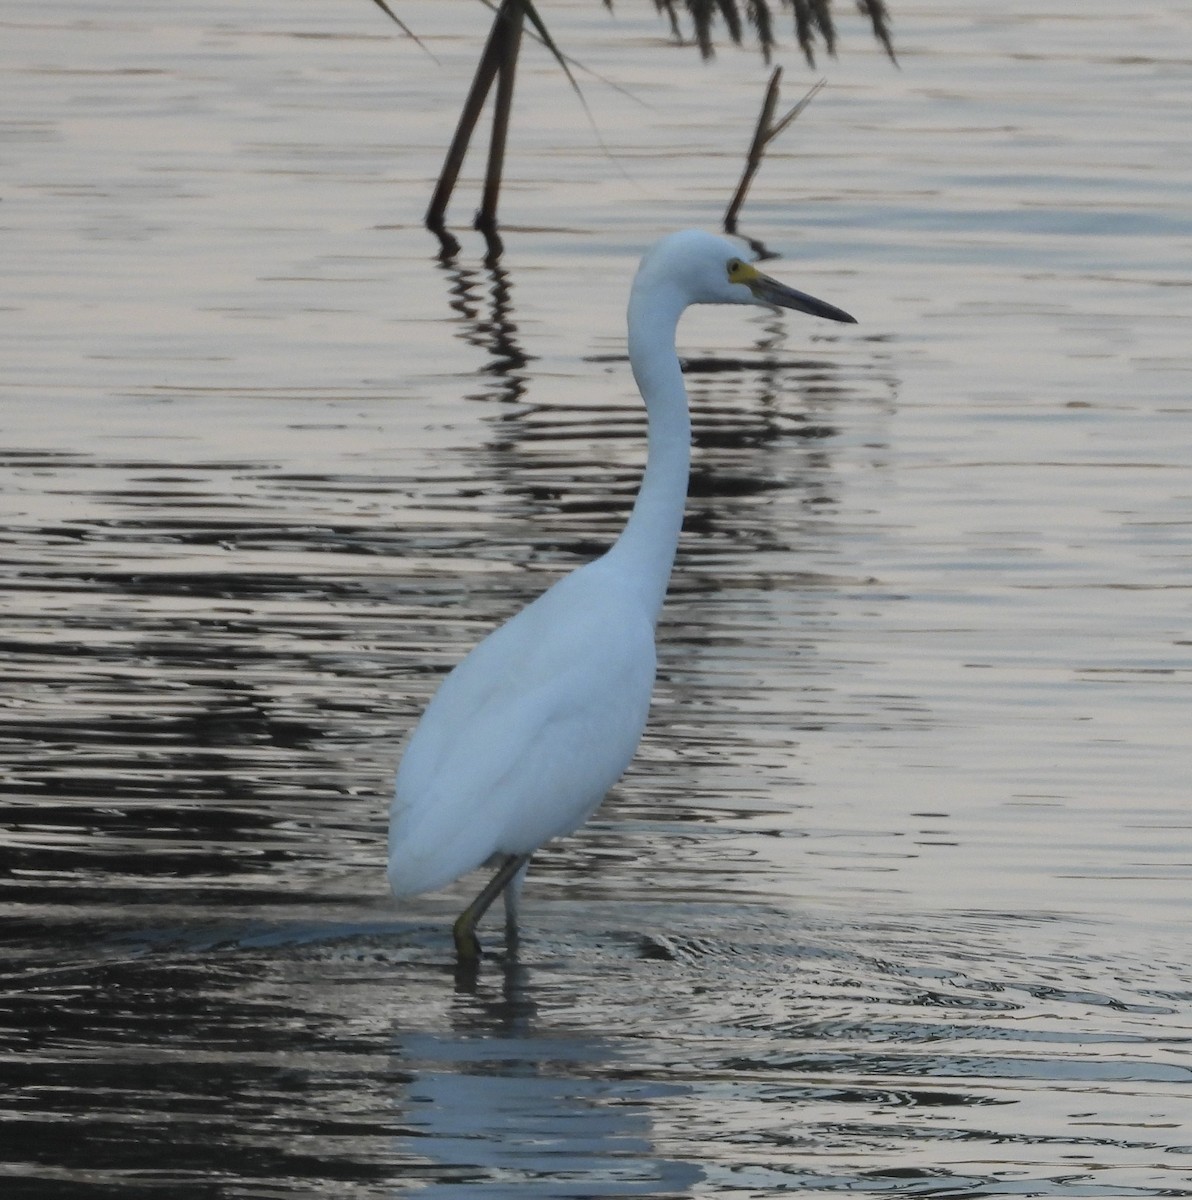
[{"x": 734, "y": 268}]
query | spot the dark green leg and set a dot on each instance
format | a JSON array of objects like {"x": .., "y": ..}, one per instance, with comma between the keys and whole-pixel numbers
[{"x": 467, "y": 948}]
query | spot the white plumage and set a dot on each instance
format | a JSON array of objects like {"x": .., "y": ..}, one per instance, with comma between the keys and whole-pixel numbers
[{"x": 517, "y": 747}]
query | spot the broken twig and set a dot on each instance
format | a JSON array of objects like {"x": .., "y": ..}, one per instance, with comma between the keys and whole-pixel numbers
[{"x": 767, "y": 130}]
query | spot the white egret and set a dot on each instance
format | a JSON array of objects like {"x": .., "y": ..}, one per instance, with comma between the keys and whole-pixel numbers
[{"x": 527, "y": 734}]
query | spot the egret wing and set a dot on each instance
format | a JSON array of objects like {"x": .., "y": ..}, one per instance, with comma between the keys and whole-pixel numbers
[{"x": 524, "y": 737}]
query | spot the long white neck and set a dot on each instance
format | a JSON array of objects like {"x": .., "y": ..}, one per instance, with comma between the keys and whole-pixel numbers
[{"x": 646, "y": 547}]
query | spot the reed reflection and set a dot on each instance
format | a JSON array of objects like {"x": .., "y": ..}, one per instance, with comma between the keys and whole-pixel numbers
[{"x": 483, "y": 298}]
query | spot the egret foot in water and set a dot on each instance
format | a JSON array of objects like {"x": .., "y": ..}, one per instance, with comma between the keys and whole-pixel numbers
[{"x": 508, "y": 879}]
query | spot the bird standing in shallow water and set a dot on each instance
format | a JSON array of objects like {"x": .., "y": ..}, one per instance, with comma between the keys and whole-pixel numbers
[{"x": 527, "y": 734}]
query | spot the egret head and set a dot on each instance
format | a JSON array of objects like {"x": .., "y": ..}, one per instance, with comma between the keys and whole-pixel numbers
[{"x": 709, "y": 269}]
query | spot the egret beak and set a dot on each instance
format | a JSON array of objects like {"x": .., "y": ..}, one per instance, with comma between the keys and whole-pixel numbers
[{"x": 770, "y": 291}]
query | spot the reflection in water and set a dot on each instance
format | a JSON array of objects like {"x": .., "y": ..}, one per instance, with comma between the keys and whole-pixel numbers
[
  {"x": 487, "y": 324},
  {"x": 511, "y": 1108},
  {"x": 302, "y": 1056}
]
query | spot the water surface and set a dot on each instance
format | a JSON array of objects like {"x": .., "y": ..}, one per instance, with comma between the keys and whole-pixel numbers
[{"x": 894, "y": 899}]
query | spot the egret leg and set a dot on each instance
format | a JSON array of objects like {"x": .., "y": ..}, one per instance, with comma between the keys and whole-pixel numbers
[
  {"x": 467, "y": 948},
  {"x": 512, "y": 898}
]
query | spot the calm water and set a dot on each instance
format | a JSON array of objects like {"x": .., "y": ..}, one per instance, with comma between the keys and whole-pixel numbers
[{"x": 895, "y": 898}]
